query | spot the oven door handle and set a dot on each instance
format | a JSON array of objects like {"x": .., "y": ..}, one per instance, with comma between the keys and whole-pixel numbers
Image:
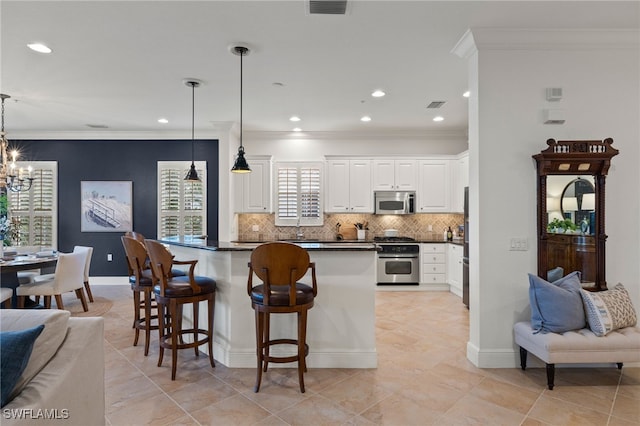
[{"x": 381, "y": 256}]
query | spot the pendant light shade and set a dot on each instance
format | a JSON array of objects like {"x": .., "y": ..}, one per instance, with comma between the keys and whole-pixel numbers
[
  {"x": 240, "y": 165},
  {"x": 192, "y": 175}
]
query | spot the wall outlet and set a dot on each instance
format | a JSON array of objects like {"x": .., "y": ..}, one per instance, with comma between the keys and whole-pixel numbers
[
  {"x": 255, "y": 228},
  {"x": 109, "y": 257},
  {"x": 519, "y": 244},
  {"x": 430, "y": 228}
]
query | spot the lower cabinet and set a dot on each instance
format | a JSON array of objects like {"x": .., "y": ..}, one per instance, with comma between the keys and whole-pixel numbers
[
  {"x": 573, "y": 253},
  {"x": 454, "y": 268},
  {"x": 433, "y": 263}
]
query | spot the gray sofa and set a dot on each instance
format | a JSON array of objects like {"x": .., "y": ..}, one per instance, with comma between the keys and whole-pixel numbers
[{"x": 63, "y": 382}]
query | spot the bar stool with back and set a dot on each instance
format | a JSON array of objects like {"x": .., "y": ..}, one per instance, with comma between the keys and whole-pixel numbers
[
  {"x": 141, "y": 284},
  {"x": 171, "y": 294},
  {"x": 279, "y": 266}
]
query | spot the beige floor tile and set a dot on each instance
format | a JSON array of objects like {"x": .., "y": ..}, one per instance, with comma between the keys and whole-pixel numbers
[
  {"x": 627, "y": 408},
  {"x": 558, "y": 412},
  {"x": 596, "y": 398},
  {"x": 533, "y": 379},
  {"x": 155, "y": 410},
  {"x": 356, "y": 393},
  {"x": 274, "y": 397},
  {"x": 616, "y": 421},
  {"x": 398, "y": 410},
  {"x": 315, "y": 410},
  {"x": 197, "y": 395},
  {"x": 505, "y": 395},
  {"x": 236, "y": 410},
  {"x": 471, "y": 410},
  {"x": 423, "y": 377}
]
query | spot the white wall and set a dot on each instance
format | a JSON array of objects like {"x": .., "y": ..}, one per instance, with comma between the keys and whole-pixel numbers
[
  {"x": 601, "y": 88},
  {"x": 314, "y": 146}
]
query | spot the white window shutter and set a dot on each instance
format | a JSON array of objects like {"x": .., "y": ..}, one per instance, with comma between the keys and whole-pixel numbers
[
  {"x": 182, "y": 205},
  {"x": 299, "y": 194},
  {"x": 34, "y": 213}
]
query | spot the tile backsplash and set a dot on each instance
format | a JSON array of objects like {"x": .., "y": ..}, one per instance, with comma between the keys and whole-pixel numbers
[{"x": 415, "y": 225}]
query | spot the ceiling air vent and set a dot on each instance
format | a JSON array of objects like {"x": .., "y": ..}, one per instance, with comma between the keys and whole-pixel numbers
[
  {"x": 327, "y": 7},
  {"x": 436, "y": 104}
]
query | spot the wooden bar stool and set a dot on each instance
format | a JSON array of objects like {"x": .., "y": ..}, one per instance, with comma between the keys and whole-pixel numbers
[
  {"x": 171, "y": 294},
  {"x": 141, "y": 284},
  {"x": 279, "y": 266}
]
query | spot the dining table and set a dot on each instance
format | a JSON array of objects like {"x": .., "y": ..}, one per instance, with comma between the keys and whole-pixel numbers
[{"x": 10, "y": 266}]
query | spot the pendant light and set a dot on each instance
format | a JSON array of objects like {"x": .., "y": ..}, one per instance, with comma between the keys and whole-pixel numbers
[
  {"x": 240, "y": 165},
  {"x": 192, "y": 175}
]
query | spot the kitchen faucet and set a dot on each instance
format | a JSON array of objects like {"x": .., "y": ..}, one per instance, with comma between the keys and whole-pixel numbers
[{"x": 299, "y": 233}]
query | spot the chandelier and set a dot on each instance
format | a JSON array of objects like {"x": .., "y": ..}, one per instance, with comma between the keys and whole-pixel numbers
[{"x": 10, "y": 178}]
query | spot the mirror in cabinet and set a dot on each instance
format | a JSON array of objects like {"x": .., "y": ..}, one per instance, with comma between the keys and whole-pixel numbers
[{"x": 571, "y": 208}]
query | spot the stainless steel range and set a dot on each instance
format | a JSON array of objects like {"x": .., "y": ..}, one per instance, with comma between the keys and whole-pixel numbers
[{"x": 398, "y": 261}]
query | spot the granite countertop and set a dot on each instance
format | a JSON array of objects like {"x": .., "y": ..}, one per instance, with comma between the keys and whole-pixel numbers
[
  {"x": 326, "y": 245},
  {"x": 200, "y": 243}
]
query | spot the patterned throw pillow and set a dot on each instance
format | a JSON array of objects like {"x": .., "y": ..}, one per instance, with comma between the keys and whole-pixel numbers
[{"x": 608, "y": 310}]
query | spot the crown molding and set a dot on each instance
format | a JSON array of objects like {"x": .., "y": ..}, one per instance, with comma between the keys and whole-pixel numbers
[
  {"x": 455, "y": 134},
  {"x": 113, "y": 135},
  {"x": 476, "y": 39}
]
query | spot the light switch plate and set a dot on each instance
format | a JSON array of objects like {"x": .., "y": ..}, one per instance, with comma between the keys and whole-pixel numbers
[{"x": 519, "y": 244}]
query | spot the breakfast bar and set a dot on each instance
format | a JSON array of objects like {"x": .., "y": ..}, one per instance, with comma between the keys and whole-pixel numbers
[{"x": 341, "y": 325}]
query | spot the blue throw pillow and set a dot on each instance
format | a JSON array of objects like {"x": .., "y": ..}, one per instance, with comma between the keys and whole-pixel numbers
[
  {"x": 15, "y": 350},
  {"x": 555, "y": 274},
  {"x": 556, "y": 307}
]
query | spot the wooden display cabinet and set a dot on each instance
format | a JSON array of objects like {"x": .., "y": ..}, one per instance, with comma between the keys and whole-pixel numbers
[{"x": 575, "y": 251}]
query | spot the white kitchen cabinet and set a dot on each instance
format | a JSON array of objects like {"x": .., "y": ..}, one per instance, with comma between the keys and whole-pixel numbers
[
  {"x": 394, "y": 175},
  {"x": 454, "y": 268},
  {"x": 433, "y": 264},
  {"x": 459, "y": 179},
  {"x": 254, "y": 189},
  {"x": 348, "y": 186},
  {"x": 434, "y": 186}
]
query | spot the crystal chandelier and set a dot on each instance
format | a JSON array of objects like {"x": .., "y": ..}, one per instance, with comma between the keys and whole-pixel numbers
[{"x": 10, "y": 178}]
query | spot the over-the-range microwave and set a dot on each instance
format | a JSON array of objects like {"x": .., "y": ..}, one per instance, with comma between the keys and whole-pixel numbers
[{"x": 395, "y": 202}]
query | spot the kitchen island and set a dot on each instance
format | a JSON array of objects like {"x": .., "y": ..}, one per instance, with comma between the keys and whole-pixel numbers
[{"x": 341, "y": 325}]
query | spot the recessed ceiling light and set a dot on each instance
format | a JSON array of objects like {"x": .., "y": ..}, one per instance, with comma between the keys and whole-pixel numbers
[
  {"x": 378, "y": 93},
  {"x": 294, "y": 118},
  {"x": 39, "y": 47},
  {"x": 297, "y": 129},
  {"x": 163, "y": 120},
  {"x": 466, "y": 94},
  {"x": 365, "y": 118},
  {"x": 438, "y": 118}
]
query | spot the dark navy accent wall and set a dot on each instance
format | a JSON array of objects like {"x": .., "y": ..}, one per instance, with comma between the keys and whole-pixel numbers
[{"x": 122, "y": 160}]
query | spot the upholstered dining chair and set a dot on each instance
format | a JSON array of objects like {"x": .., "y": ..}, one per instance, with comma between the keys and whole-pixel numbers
[
  {"x": 68, "y": 276},
  {"x": 279, "y": 266},
  {"x": 141, "y": 284},
  {"x": 87, "y": 267},
  {"x": 171, "y": 294}
]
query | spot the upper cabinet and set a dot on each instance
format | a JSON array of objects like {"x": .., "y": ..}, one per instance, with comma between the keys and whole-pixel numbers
[
  {"x": 459, "y": 179},
  {"x": 434, "y": 186},
  {"x": 348, "y": 186},
  {"x": 254, "y": 189},
  {"x": 394, "y": 174}
]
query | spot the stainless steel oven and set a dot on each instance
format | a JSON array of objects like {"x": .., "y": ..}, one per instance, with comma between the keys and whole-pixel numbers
[{"x": 398, "y": 263}]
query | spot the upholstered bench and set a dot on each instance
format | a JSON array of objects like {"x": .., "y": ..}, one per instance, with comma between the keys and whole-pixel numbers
[{"x": 577, "y": 347}]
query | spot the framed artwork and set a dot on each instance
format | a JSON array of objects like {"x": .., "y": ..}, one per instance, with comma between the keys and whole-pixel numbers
[{"x": 106, "y": 206}]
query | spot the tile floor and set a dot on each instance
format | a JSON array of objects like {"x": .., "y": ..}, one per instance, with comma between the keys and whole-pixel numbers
[{"x": 423, "y": 378}]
